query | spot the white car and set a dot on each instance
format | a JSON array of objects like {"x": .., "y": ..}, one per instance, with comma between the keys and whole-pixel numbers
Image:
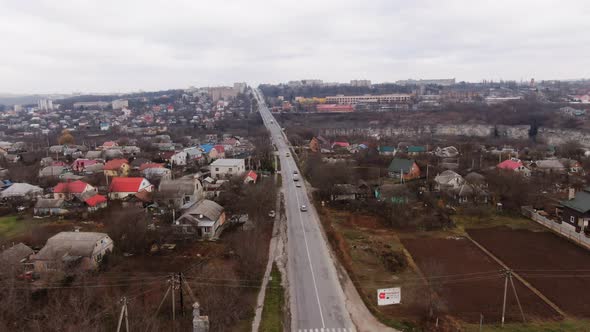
[
  {"x": 298, "y": 184},
  {"x": 303, "y": 208}
]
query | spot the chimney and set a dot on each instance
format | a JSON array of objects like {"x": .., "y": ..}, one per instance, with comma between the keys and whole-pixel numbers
[
  {"x": 200, "y": 323},
  {"x": 571, "y": 193}
]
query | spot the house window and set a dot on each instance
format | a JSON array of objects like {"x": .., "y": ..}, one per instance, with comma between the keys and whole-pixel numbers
[
  {"x": 230, "y": 169},
  {"x": 572, "y": 219}
]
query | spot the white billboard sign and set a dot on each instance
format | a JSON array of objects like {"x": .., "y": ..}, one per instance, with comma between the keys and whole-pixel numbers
[{"x": 387, "y": 296}]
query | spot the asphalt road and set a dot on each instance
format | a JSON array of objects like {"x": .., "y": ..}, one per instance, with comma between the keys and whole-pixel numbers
[{"x": 317, "y": 300}]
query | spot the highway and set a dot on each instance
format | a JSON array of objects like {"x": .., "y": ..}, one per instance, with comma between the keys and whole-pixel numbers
[{"x": 317, "y": 300}]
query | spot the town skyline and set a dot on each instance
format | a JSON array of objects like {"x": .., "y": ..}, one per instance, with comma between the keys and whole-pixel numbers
[{"x": 63, "y": 47}]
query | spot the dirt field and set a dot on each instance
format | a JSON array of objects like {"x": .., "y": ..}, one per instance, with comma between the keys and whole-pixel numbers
[
  {"x": 557, "y": 267},
  {"x": 473, "y": 285}
]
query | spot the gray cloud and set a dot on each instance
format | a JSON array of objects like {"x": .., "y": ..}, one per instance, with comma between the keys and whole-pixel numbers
[{"x": 109, "y": 45}]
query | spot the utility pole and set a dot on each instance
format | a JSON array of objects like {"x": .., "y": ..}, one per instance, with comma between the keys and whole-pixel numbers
[
  {"x": 504, "y": 303},
  {"x": 123, "y": 313},
  {"x": 181, "y": 295},
  {"x": 508, "y": 276}
]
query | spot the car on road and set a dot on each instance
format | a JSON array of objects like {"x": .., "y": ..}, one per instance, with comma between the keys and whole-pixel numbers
[
  {"x": 295, "y": 177},
  {"x": 288, "y": 154},
  {"x": 303, "y": 208},
  {"x": 295, "y": 172},
  {"x": 298, "y": 184}
]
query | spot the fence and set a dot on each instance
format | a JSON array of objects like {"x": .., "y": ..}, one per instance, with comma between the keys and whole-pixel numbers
[{"x": 563, "y": 229}]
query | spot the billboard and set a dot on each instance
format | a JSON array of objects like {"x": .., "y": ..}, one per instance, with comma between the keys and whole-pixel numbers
[{"x": 387, "y": 296}]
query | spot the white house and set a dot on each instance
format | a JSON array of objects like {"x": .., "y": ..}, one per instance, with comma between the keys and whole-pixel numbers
[
  {"x": 122, "y": 187},
  {"x": 179, "y": 158},
  {"x": 222, "y": 168},
  {"x": 73, "y": 250}
]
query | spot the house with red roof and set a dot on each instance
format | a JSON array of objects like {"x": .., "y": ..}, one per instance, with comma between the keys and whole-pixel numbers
[
  {"x": 73, "y": 189},
  {"x": 121, "y": 187},
  {"x": 109, "y": 145},
  {"x": 251, "y": 177},
  {"x": 342, "y": 145},
  {"x": 514, "y": 165},
  {"x": 116, "y": 167},
  {"x": 145, "y": 166},
  {"x": 220, "y": 150},
  {"x": 96, "y": 202}
]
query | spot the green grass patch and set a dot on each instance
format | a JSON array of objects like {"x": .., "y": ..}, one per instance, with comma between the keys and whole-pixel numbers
[
  {"x": 567, "y": 325},
  {"x": 10, "y": 227},
  {"x": 490, "y": 218},
  {"x": 272, "y": 313}
]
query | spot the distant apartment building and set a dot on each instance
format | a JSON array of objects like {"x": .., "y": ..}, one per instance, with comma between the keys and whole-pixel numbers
[
  {"x": 370, "y": 99},
  {"x": 120, "y": 104},
  {"x": 360, "y": 83},
  {"x": 45, "y": 104},
  {"x": 91, "y": 104},
  {"x": 443, "y": 82},
  {"x": 240, "y": 87},
  {"x": 222, "y": 92},
  {"x": 334, "y": 108}
]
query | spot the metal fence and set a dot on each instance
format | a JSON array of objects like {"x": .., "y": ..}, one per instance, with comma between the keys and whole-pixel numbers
[{"x": 563, "y": 229}]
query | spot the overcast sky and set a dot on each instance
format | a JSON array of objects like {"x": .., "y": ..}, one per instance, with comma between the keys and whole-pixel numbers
[{"x": 121, "y": 45}]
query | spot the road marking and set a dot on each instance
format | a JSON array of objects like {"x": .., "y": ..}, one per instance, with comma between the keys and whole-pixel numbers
[
  {"x": 307, "y": 249},
  {"x": 315, "y": 286}
]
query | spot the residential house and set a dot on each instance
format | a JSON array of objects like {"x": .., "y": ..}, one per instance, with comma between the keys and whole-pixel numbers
[
  {"x": 405, "y": 169},
  {"x": 193, "y": 155},
  {"x": 570, "y": 111},
  {"x": 157, "y": 173},
  {"x": 576, "y": 211},
  {"x": 387, "y": 151},
  {"x": 340, "y": 145},
  {"x": 73, "y": 251},
  {"x": 222, "y": 168},
  {"x": 109, "y": 145},
  {"x": 116, "y": 167},
  {"x": 122, "y": 187},
  {"x": 93, "y": 155},
  {"x": 50, "y": 207},
  {"x": 556, "y": 165},
  {"x": 416, "y": 149},
  {"x": 16, "y": 258},
  {"x": 69, "y": 190},
  {"x": 220, "y": 151},
  {"x": 514, "y": 165},
  {"x": 179, "y": 159},
  {"x": 180, "y": 192},
  {"x": 51, "y": 171},
  {"x": 21, "y": 191},
  {"x": 113, "y": 154},
  {"x": 447, "y": 152},
  {"x": 349, "y": 192},
  {"x": 468, "y": 192},
  {"x": 448, "y": 181},
  {"x": 251, "y": 177},
  {"x": 96, "y": 202},
  {"x": 79, "y": 165},
  {"x": 202, "y": 220}
]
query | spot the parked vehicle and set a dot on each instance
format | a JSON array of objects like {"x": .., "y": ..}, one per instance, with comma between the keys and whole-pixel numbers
[
  {"x": 272, "y": 213},
  {"x": 303, "y": 208}
]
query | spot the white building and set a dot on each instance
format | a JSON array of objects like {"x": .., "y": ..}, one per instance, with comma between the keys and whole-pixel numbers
[
  {"x": 360, "y": 83},
  {"x": 221, "y": 168},
  {"x": 45, "y": 104}
]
